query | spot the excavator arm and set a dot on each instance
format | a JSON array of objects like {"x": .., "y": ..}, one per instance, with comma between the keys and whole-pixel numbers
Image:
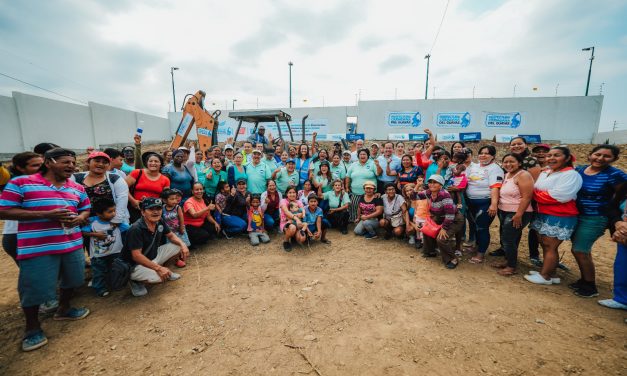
[{"x": 194, "y": 113}]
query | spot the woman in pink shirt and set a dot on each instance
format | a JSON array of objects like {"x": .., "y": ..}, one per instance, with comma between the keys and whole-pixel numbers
[{"x": 514, "y": 210}]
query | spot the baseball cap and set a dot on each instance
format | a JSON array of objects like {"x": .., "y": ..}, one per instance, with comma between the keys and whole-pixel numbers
[
  {"x": 370, "y": 184},
  {"x": 375, "y": 144},
  {"x": 228, "y": 146},
  {"x": 150, "y": 202},
  {"x": 240, "y": 180},
  {"x": 183, "y": 148},
  {"x": 99, "y": 154},
  {"x": 255, "y": 151},
  {"x": 290, "y": 161},
  {"x": 262, "y": 127},
  {"x": 346, "y": 152},
  {"x": 541, "y": 146},
  {"x": 437, "y": 178}
]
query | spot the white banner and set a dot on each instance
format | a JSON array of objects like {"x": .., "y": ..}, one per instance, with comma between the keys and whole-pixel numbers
[
  {"x": 447, "y": 136},
  {"x": 398, "y": 136},
  {"x": 504, "y": 138}
]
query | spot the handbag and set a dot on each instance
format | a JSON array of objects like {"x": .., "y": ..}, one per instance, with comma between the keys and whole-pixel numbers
[
  {"x": 430, "y": 228},
  {"x": 397, "y": 219}
]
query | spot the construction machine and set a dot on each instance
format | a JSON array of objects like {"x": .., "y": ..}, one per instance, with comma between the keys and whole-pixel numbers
[{"x": 194, "y": 113}]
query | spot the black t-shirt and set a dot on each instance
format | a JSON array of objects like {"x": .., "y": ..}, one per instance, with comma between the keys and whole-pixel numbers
[
  {"x": 236, "y": 205},
  {"x": 139, "y": 236},
  {"x": 368, "y": 208}
]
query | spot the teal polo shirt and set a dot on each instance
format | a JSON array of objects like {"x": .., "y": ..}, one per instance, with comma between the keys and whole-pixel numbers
[
  {"x": 284, "y": 180},
  {"x": 334, "y": 200},
  {"x": 257, "y": 177},
  {"x": 359, "y": 174}
]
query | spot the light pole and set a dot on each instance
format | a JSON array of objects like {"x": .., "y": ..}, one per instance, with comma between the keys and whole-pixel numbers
[
  {"x": 515, "y": 90},
  {"x": 428, "y": 57},
  {"x": 290, "y": 64},
  {"x": 234, "y": 100},
  {"x": 172, "y": 69},
  {"x": 589, "y": 69}
]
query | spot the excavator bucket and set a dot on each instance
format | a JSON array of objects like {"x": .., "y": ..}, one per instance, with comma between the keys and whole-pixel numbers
[{"x": 194, "y": 113}]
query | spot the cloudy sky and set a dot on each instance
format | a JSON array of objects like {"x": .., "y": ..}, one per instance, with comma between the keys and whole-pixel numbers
[{"x": 119, "y": 52}]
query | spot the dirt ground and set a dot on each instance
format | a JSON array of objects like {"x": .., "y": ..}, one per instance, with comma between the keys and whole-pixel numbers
[{"x": 355, "y": 307}]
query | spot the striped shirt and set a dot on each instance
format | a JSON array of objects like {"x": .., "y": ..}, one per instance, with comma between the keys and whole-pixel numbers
[
  {"x": 38, "y": 237},
  {"x": 442, "y": 206},
  {"x": 597, "y": 190}
]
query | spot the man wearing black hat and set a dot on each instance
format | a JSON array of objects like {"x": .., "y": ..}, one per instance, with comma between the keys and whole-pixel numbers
[
  {"x": 259, "y": 137},
  {"x": 146, "y": 250}
]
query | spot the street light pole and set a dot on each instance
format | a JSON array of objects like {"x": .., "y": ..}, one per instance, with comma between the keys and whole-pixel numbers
[
  {"x": 589, "y": 69},
  {"x": 290, "y": 64},
  {"x": 172, "y": 69},
  {"x": 428, "y": 57},
  {"x": 234, "y": 100}
]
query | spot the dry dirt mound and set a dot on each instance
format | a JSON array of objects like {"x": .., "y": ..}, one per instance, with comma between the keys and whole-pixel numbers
[{"x": 358, "y": 306}]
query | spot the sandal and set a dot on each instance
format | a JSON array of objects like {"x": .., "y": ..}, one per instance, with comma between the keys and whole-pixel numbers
[
  {"x": 475, "y": 260},
  {"x": 506, "y": 272},
  {"x": 72, "y": 314}
]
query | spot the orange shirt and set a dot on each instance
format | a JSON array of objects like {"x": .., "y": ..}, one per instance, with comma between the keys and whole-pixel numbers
[{"x": 192, "y": 203}]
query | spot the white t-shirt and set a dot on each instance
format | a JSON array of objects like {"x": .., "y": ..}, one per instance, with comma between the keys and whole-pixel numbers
[
  {"x": 111, "y": 245},
  {"x": 10, "y": 228},
  {"x": 482, "y": 178}
]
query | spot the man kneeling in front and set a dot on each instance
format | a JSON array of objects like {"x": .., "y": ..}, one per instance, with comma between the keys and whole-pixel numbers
[{"x": 146, "y": 250}]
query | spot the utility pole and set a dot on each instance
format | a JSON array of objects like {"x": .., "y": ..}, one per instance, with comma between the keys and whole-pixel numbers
[
  {"x": 428, "y": 57},
  {"x": 589, "y": 69},
  {"x": 172, "y": 69},
  {"x": 290, "y": 64},
  {"x": 515, "y": 90}
]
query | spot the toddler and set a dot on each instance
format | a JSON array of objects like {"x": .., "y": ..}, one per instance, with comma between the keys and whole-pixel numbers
[
  {"x": 173, "y": 216},
  {"x": 105, "y": 243},
  {"x": 256, "y": 230}
]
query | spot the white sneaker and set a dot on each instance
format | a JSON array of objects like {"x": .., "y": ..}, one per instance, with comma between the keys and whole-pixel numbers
[
  {"x": 174, "y": 276},
  {"x": 138, "y": 289},
  {"x": 555, "y": 280},
  {"x": 538, "y": 279},
  {"x": 49, "y": 306},
  {"x": 611, "y": 303},
  {"x": 412, "y": 240}
]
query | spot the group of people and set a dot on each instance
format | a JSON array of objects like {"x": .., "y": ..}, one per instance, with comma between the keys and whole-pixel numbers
[{"x": 148, "y": 209}]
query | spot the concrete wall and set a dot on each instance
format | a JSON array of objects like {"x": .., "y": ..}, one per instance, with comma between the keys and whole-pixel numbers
[
  {"x": 11, "y": 140},
  {"x": 27, "y": 120},
  {"x": 615, "y": 137},
  {"x": 569, "y": 119}
]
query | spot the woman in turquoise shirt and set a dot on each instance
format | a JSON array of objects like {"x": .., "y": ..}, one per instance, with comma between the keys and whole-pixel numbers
[
  {"x": 237, "y": 170},
  {"x": 365, "y": 169},
  {"x": 213, "y": 175}
]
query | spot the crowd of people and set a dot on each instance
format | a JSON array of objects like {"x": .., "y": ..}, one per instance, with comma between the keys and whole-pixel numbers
[{"x": 146, "y": 210}]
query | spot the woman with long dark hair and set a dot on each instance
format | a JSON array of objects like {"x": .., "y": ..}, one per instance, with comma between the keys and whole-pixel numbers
[{"x": 555, "y": 193}]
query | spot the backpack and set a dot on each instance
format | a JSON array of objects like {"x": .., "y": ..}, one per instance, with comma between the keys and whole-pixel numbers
[{"x": 119, "y": 274}]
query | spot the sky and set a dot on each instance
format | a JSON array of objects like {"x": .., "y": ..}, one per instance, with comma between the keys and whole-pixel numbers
[{"x": 119, "y": 52}]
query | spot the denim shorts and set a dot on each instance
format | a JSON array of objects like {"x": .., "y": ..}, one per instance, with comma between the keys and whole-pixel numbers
[
  {"x": 589, "y": 229},
  {"x": 37, "y": 281},
  {"x": 553, "y": 226}
]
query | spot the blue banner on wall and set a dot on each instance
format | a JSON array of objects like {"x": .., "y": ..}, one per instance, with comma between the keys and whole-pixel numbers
[
  {"x": 418, "y": 137},
  {"x": 355, "y": 136},
  {"x": 404, "y": 119},
  {"x": 503, "y": 119},
  {"x": 470, "y": 136},
  {"x": 452, "y": 119},
  {"x": 531, "y": 138}
]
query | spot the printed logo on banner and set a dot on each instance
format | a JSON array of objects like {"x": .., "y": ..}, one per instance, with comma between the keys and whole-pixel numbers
[
  {"x": 448, "y": 137},
  {"x": 418, "y": 137},
  {"x": 452, "y": 119},
  {"x": 404, "y": 119},
  {"x": 531, "y": 138},
  {"x": 204, "y": 132},
  {"x": 471, "y": 136},
  {"x": 184, "y": 125},
  {"x": 398, "y": 136},
  {"x": 311, "y": 125},
  {"x": 355, "y": 136},
  {"x": 503, "y": 120}
]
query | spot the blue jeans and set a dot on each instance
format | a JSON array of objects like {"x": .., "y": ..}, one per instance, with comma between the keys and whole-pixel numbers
[
  {"x": 100, "y": 267},
  {"x": 510, "y": 236},
  {"x": 478, "y": 210},
  {"x": 271, "y": 220},
  {"x": 233, "y": 224},
  {"x": 620, "y": 274}
]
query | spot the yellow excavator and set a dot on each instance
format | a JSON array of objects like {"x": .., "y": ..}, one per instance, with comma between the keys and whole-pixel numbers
[{"x": 194, "y": 113}]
